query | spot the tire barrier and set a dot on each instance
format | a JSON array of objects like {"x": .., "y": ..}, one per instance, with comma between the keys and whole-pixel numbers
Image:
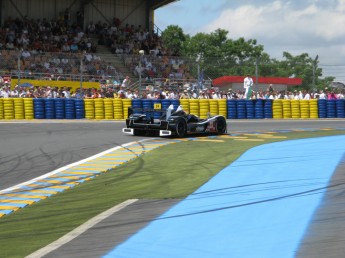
[
  {"x": 176, "y": 103},
  {"x": 165, "y": 103},
  {"x": 268, "y": 113},
  {"x": 250, "y": 113},
  {"x": 108, "y": 108},
  {"x": 330, "y": 108},
  {"x": 126, "y": 103},
  {"x": 204, "y": 108},
  {"x": 185, "y": 103},
  {"x": 222, "y": 107},
  {"x": 49, "y": 109},
  {"x": 79, "y": 108},
  {"x": 69, "y": 109},
  {"x": 287, "y": 109},
  {"x": 340, "y": 108},
  {"x": 322, "y": 108},
  {"x": 29, "y": 108},
  {"x": 259, "y": 108},
  {"x": 1, "y": 108},
  {"x": 241, "y": 109},
  {"x": 295, "y": 109},
  {"x": 277, "y": 108},
  {"x": 39, "y": 109},
  {"x": 313, "y": 108},
  {"x": 99, "y": 108},
  {"x": 213, "y": 104},
  {"x": 89, "y": 106},
  {"x": 59, "y": 108},
  {"x": 304, "y": 105},
  {"x": 193, "y": 106},
  {"x": 8, "y": 108},
  {"x": 19, "y": 112},
  {"x": 157, "y": 115},
  {"x": 118, "y": 108},
  {"x": 232, "y": 108}
]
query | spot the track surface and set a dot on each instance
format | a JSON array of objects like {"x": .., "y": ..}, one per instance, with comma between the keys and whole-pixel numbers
[{"x": 33, "y": 149}]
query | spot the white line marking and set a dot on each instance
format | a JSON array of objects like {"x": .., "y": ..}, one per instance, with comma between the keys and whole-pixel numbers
[{"x": 79, "y": 230}]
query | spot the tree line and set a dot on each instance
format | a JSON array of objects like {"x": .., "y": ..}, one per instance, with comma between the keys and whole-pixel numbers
[{"x": 218, "y": 55}]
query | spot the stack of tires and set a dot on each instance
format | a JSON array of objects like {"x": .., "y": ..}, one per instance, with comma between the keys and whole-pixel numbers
[
  {"x": 79, "y": 108},
  {"x": 1, "y": 108},
  {"x": 186, "y": 106},
  {"x": 49, "y": 108},
  {"x": 250, "y": 111},
  {"x": 29, "y": 108},
  {"x": 69, "y": 109},
  {"x": 8, "y": 108},
  {"x": 89, "y": 106},
  {"x": 99, "y": 108},
  {"x": 313, "y": 109},
  {"x": 166, "y": 104},
  {"x": 108, "y": 109},
  {"x": 287, "y": 108},
  {"x": 118, "y": 109},
  {"x": 331, "y": 108},
  {"x": 193, "y": 107},
  {"x": 59, "y": 108},
  {"x": 39, "y": 110},
  {"x": 259, "y": 108},
  {"x": 213, "y": 103},
  {"x": 222, "y": 107},
  {"x": 305, "y": 112},
  {"x": 204, "y": 106},
  {"x": 147, "y": 105},
  {"x": 18, "y": 108},
  {"x": 126, "y": 103},
  {"x": 322, "y": 108},
  {"x": 268, "y": 106},
  {"x": 340, "y": 108},
  {"x": 277, "y": 109},
  {"x": 231, "y": 108},
  {"x": 241, "y": 109},
  {"x": 176, "y": 103},
  {"x": 295, "y": 109}
]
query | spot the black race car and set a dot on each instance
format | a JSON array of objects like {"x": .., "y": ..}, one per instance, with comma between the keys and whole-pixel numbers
[{"x": 172, "y": 123}]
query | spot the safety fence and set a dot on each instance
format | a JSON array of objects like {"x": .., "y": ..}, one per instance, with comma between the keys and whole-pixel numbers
[{"x": 107, "y": 108}]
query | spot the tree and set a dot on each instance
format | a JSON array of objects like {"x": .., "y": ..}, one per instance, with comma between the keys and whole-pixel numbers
[{"x": 173, "y": 38}]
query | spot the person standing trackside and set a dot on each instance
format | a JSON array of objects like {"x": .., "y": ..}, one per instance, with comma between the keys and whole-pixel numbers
[{"x": 248, "y": 84}]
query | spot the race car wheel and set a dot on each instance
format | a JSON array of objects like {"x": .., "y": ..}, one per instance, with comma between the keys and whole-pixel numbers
[
  {"x": 181, "y": 128},
  {"x": 221, "y": 126}
]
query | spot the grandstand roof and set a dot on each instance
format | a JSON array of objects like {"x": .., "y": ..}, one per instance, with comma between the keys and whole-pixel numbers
[
  {"x": 155, "y": 4},
  {"x": 262, "y": 80}
]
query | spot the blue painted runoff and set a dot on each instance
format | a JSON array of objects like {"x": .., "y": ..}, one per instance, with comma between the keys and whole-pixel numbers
[{"x": 258, "y": 207}]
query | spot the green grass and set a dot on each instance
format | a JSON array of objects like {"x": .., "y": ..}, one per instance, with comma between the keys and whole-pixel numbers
[{"x": 172, "y": 171}]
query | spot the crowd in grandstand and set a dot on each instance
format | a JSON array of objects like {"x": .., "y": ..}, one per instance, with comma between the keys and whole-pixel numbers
[{"x": 150, "y": 92}]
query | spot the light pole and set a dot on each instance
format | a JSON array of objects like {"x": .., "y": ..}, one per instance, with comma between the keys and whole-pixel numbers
[
  {"x": 141, "y": 53},
  {"x": 314, "y": 70}
]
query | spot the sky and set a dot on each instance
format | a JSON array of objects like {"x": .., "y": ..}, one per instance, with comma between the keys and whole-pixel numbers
[{"x": 316, "y": 27}]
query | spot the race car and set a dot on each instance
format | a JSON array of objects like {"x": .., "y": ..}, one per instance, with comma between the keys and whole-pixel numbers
[{"x": 172, "y": 123}]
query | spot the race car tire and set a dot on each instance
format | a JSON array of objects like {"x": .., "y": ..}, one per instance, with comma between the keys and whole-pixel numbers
[
  {"x": 181, "y": 128},
  {"x": 221, "y": 126}
]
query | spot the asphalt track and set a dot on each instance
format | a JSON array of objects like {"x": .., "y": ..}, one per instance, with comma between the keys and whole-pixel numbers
[{"x": 36, "y": 148}]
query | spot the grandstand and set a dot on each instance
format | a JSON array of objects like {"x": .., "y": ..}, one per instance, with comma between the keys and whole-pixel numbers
[{"x": 84, "y": 41}]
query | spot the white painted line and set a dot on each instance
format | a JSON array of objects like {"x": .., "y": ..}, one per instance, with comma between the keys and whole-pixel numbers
[
  {"x": 79, "y": 230},
  {"x": 10, "y": 189}
]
